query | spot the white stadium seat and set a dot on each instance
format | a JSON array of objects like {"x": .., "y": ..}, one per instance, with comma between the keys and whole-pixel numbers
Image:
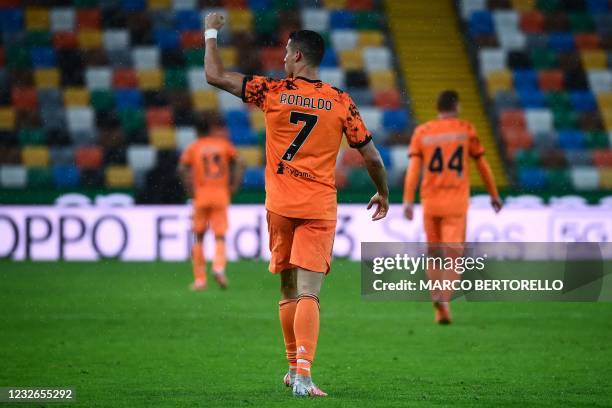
[
  {"x": 116, "y": 39},
  {"x": 98, "y": 78},
  {"x": 344, "y": 39},
  {"x": 141, "y": 157},
  {"x": 145, "y": 57},
  {"x": 62, "y": 19},
  {"x": 492, "y": 59},
  {"x": 539, "y": 120},
  {"x": 13, "y": 176},
  {"x": 315, "y": 19},
  {"x": 333, "y": 76}
]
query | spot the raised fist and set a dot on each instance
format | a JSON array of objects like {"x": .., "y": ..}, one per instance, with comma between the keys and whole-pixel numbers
[{"x": 214, "y": 20}]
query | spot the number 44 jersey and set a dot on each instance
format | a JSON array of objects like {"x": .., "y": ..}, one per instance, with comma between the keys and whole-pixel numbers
[
  {"x": 445, "y": 146},
  {"x": 305, "y": 121}
]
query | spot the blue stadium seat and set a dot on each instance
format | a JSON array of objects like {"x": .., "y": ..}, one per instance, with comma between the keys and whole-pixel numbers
[
  {"x": 188, "y": 20},
  {"x": 531, "y": 98},
  {"x": 43, "y": 57},
  {"x": 481, "y": 22},
  {"x": 241, "y": 135},
  {"x": 532, "y": 178},
  {"x": 128, "y": 99},
  {"x": 260, "y": 5},
  {"x": 525, "y": 79},
  {"x": 133, "y": 5},
  {"x": 11, "y": 20},
  {"x": 341, "y": 19},
  {"x": 167, "y": 39},
  {"x": 254, "y": 178},
  {"x": 583, "y": 101},
  {"x": 66, "y": 176},
  {"x": 385, "y": 154},
  {"x": 329, "y": 58},
  {"x": 396, "y": 119},
  {"x": 598, "y": 6},
  {"x": 571, "y": 139},
  {"x": 561, "y": 42},
  {"x": 237, "y": 118}
]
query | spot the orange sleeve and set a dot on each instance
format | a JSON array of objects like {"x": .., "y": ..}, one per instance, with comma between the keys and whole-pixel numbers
[
  {"x": 356, "y": 132},
  {"x": 187, "y": 156},
  {"x": 487, "y": 176},
  {"x": 415, "y": 148},
  {"x": 412, "y": 178},
  {"x": 476, "y": 148},
  {"x": 255, "y": 90}
]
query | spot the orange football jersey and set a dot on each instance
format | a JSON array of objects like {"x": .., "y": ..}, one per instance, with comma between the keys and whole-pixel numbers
[
  {"x": 210, "y": 159},
  {"x": 305, "y": 120},
  {"x": 445, "y": 145}
]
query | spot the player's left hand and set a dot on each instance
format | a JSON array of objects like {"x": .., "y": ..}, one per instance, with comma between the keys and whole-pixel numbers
[
  {"x": 382, "y": 206},
  {"x": 214, "y": 21},
  {"x": 497, "y": 204}
]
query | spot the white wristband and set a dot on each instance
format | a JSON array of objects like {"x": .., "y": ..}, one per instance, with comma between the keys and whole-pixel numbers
[{"x": 210, "y": 33}]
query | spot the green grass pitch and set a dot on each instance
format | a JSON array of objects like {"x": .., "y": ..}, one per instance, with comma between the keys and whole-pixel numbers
[{"x": 132, "y": 335}]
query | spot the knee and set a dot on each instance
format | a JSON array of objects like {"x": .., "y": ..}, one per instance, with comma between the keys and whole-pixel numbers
[
  {"x": 199, "y": 237},
  {"x": 220, "y": 238}
]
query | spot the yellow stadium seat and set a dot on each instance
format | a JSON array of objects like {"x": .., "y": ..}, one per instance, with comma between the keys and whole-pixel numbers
[
  {"x": 370, "y": 38},
  {"x": 335, "y": 4},
  {"x": 594, "y": 59},
  {"x": 150, "y": 79},
  {"x": 37, "y": 18},
  {"x": 382, "y": 80},
  {"x": 7, "y": 119},
  {"x": 163, "y": 137},
  {"x": 240, "y": 20},
  {"x": 258, "y": 120},
  {"x": 47, "y": 78},
  {"x": 90, "y": 39},
  {"x": 76, "y": 97},
  {"x": 523, "y": 5},
  {"x": 607, "y": 118},
  {"x": 228, "y": 56},
  {"x": 119, "y": 177},
  {"x": 605, "y": 178},
  {"x": 159, "y": 4},
  {"x": 205, "y": 100},
  {"x": 604, "y": 100},
  {"x": 252, "y": 156},
  {"x": 499, "y": 81},
  {"x": 35, "y": 156},
  {"x": 351, "y": 59}
]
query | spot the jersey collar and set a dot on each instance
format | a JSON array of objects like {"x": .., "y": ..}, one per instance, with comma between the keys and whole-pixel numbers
[{"x": 308, "y": 80}]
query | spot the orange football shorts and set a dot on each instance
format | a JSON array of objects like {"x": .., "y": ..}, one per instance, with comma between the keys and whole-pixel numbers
[
  {"x": 300, "y": 243},
  {"x": 214, "y": 218},
  {"x": 444, "y": 229}
]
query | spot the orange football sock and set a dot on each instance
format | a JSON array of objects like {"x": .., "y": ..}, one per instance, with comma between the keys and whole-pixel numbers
[
  {"x": 306, "y": 329},
  {"x": 219, "y": 260},
  {"x": 199, "y": 262},
  {"x": 286, "y": 312}
]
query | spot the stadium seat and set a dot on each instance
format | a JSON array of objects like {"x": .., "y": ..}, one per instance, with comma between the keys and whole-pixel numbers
[
  {"x": 585, "y": 178},
  {"x": 333, "y": 76},
  {"x": 253, "y": 178},
  {"x": 7, "y": 118},
  {"x": 531, "y": 179},
  {"x": 382, "y": 80},
  {"x": 252, "y": 156},
  {"x": 35, "y": 156},
  {"x": 141, "y": 158},
  {"x": 351, "y": 59},
  {"x": 492, "y": 59},
  {"x": 80, "y": 119},
  {"x": 498, "y": 81},
  {"x": 377, "y": 58},
  {"x": 119, "y": 177},
  {"x": 395, "y": 120},
  {"x": 481, "y": 22},
  {"x": 76, "y": 97},
  {"x": 98, "y": 78},
  {"x": 39, "y": 177},
  {"x": 88, "y": 157},
  {"x": 150, "y": 79},
  {"x": 531, "y": 98},
  {"x": 388, "y": 99},
  {"x": 205, "y": 100},
  {"x": 315, "y": 19},
  {"x": 162, "y": 137},
  {"x": 344, "y": 40},
  {"x": 47, "y": 78},
  {"x": 185, "y": 135},
  {"x": 159, "y": 117},
  {"x": 539, "y": 120},
  {"x": 13, "y": 176},
  {"x": 147, "y": 57},
  {"x": 62, "y": 19},
  {"x": 551, "y": 80},
  {"x": 65, "y": 176}
]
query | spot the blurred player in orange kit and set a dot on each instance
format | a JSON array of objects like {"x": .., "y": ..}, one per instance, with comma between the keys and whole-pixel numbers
[
  {"x": 211, "y": 171},
  {"x": 305, "y": 122},
  {"x": 441, "y": 148}
]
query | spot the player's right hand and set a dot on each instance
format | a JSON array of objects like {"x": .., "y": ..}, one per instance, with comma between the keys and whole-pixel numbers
[
  {"x": 214, "y": 21},
  {"x": 497, "y": 204},
  {"x": 382, "y": 206},
  {"x": 408, "y": 211}
]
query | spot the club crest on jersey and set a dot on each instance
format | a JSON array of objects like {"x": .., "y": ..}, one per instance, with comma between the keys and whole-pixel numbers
[
  {"x": 284, "y": 168},
  {"x": 281, "y": 168}
]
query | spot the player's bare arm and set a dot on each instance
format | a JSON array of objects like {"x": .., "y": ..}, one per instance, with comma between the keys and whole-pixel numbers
[
  {"x": 487, "y": 177},
  {"x": 236, "y": 170},
  {"x": 213, "y": 66},
  {"x": 184, "y": 173},
  {"x": 412, "y": 177},
  {"x": 376, "y": 170}
]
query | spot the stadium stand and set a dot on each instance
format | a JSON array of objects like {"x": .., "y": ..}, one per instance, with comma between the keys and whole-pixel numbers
[
  {"x": 106, "y": 94},
  {"x": 546, "y": 68}
]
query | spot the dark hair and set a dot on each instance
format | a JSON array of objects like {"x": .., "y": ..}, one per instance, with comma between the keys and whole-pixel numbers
[
  {"x": 447, "y": 101},
  {"x": 310, "y": 44}
]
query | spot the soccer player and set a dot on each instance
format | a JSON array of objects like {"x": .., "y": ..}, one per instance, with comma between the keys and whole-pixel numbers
[
  {"x": 211, "y": 171},
  {"x": 441, "y": 148},
  {"x": 305, "y": 121}
]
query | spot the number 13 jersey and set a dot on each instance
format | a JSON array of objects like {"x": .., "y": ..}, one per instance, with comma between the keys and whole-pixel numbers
[
  {"x": 305, "y": 121},
  {"x": 445, "y": 146}
]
